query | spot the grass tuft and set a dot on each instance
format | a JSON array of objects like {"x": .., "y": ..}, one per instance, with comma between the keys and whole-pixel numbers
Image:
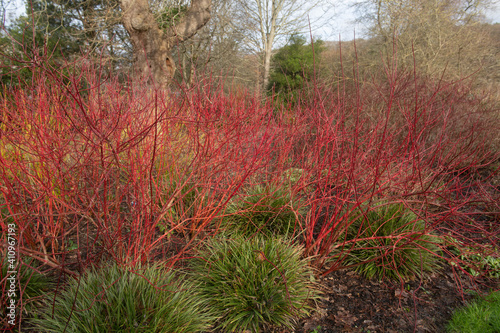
[
  {"x": 112, "y": 299},
  {"x": 269, "y": 210},
  {"x": 30, "y": 285},
  {"x": 480, "y": 316},
  {"x": 254, "y": 284},
  {"x": 391, "y": 242}
]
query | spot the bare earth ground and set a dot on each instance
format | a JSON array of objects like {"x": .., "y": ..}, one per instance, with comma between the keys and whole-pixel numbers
[{"x": 352, "y": 303}]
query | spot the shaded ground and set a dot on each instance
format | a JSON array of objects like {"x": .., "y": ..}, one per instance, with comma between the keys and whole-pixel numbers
[
  {"x": 351, "y": 303},
  {"x": 354, "y": 304}
]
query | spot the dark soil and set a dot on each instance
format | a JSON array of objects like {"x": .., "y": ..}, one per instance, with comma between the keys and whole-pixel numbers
[{"x": 352, "y": 303}]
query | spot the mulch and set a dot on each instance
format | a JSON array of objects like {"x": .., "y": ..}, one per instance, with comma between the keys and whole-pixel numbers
[{"x": 352, "y": 303}]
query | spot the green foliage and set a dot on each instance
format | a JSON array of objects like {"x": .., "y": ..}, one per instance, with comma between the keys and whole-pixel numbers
[
  {"x": 477, "y": 263},
  {"x": 390, "y": 241},
  {"x": 171, "y": 16},
  {"x": 292, "y": 175},
  {"x": 269, "y": 209},
  {"x": 32, "y": 282},
  {"x": 292, "y": 66},
  {"x": 474, "y": 260},
  {"x": 30, "y": 285},
  {"x": 480, "y": 316},
  {"x": 112, "y": 299},
  {"x": 46, "y": 33},
  {"x": 254, "y": 284}
]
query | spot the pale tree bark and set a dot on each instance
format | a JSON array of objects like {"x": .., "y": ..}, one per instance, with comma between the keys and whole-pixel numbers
[
  {"x": 151, "y": 44},
  {"x": 268, "y": 14},
  {"x": 268, "y": 36},
  {"x": 269, "y": 20}
]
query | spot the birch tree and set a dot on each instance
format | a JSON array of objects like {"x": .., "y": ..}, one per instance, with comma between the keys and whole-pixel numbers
[{"x": 268, "y": 21}]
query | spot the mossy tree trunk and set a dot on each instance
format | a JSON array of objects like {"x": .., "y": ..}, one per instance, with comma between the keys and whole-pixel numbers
[{"x": 151, "y": 44}]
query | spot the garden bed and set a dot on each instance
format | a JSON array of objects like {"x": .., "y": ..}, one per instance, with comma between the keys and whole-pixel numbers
[{"x": 352, "y": 303}]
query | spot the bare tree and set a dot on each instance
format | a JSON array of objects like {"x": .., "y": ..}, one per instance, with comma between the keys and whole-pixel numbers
[
  {"x": 214, "y": 48},
  {"x": 102, "y": 32},
  {"x": 7, "y": 10},
  {"x": 151, "y": 44},
  {"x": 267, "y": 21},
  {"x": 439, "y": 34},
  {"x": 113, "y": 30}
]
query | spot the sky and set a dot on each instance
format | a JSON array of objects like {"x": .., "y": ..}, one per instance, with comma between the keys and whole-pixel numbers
[{"x": 341, "y": 24}]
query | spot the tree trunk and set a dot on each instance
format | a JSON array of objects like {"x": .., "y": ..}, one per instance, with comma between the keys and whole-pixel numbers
[
  {"x": 267, "y": 63},
  {"x": 152, "y": 45},
  {"x": 268, "y": 33}
]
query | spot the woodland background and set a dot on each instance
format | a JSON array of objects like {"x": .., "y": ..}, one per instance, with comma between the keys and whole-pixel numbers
[{"x": 269, "y": 151}]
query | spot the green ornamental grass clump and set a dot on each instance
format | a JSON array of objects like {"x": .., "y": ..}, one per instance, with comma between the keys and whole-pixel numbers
[
  {"x": 269, "y": 210},
  {"x": 29, "y": 285},
  {"x": 33, "y": 284},
  {"x": 254, "y": 284},
  {"x": 390, "y": 242},
  {"x": 291, "y": 176},
  {"x": 113, "y": 299},
  {"x": 480, "y": 316}
]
